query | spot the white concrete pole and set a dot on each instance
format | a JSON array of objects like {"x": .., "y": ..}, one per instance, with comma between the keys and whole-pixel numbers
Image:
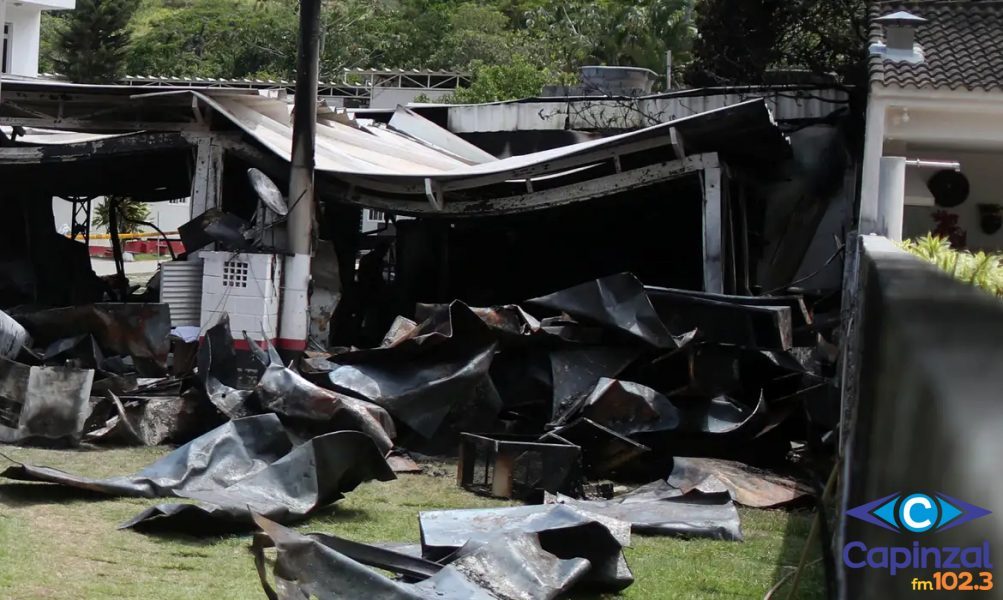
[
  {"x": 294, "y": 320},
  {"x": 874, "y": 142},
  {"x": 891, "y": 197},
  {"x": 3, "y": 20}
]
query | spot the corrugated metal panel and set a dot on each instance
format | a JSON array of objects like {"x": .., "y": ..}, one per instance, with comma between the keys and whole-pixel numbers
[
  {"x": 600, "y": 113},
  {"x": 401, "y": 165},
  {"x": 181, "y": 290}
]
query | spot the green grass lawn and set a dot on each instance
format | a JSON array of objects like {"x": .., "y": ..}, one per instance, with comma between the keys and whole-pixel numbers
[{"x": 57, "y": 543}]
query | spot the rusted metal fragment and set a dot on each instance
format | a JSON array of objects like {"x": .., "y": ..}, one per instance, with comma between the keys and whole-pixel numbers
[
  {"x": 746, "y": 485},
  {"x": 658, "y": 509},
  {"x": 139, "y": 331},
  {"x": 43, "y": 404},
  {"x": 564, "y": 531},
  {"x": 401, "y": 329},
  {"x": 617, "y": 302},
  {"x": 400, "y": 462},
  {"x": 513, "y": 566},
  {"x": 513, "y": 466},
  {"x": 310, "y": 476},
  {"x": 441, "y": 370}
]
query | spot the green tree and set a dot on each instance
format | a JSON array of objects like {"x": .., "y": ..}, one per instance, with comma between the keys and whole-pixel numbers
[
  {"x": 217, "y": 38},
  {"x": 518, "y": 78},
  {"x": 741, "y": 40},
  {"x": 635, "y": 34},
  {"x": 129, "y": 213},
  {"x": 92, "y": 40}
]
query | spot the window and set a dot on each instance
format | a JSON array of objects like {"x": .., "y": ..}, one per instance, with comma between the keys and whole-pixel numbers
[
  {"x": 6, "y": 56},
  {"x": 374, "y": 215}
]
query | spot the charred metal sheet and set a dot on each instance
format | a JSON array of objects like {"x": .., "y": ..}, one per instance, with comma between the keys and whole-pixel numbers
[
  {"x": 441, "y": 370},
  {"x": 513, "y": 466},
  {"x": 215, "y": 226},
  {"x": 138, "y": 330},
  {"x": 617, "y": 302},
  {"x": 725, "y": 320},
  {"x": 231, "y": 452},
  {"x": 720, "y": 415},
  {"x": 218, "y": 371},
  {"x": 521, "y": 375},
  {"x": 287, "y": 393},
  {"x": 151, "y": 420},
  {"x": 43, "y": 404},
  {"x": 746, "y": 485},
  {"x": 575, "y": 370},
  {"x": 800, "y": 316},
  {"x": 508, "y": 567},
  {"x": 312, "y": 475},
  {"x": 234, "y": 403},
  {"x": 564, "y": 531},
  {"x": 604, "y": 451},
  {"x": 658, "y": 509},
  {"x": 13, "y": 337},
  {"x": 625, "y": 407}
]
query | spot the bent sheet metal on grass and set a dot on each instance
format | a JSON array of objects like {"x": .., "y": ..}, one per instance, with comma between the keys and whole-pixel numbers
[
  {"x": 542, "y": 553},
  {"x": 243, "y": 465}
]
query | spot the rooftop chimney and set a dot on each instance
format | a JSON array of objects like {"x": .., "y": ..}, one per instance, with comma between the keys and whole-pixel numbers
[{"x": 900, "y": 35}]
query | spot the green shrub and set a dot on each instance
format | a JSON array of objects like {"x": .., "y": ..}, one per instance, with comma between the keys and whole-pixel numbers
[{"x": 980, "y": 269}]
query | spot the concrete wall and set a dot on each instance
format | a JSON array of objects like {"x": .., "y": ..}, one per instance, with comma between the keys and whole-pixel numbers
[
  {"x": 26, "y": 22},
  {"x": 166, "y": 215},
  {"x": 927, "y": 417},
  {"x": 985, "y": 174}
]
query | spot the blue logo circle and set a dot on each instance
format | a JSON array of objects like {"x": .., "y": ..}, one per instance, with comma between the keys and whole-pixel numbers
[{"x": 918, "y": 513}]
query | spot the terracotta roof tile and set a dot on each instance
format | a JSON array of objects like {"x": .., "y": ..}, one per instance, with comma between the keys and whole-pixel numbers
[{"x": 962, "y": 46}]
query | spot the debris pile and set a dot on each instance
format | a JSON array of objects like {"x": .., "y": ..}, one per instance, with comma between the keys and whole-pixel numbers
[{"x": 557, "y": 402}]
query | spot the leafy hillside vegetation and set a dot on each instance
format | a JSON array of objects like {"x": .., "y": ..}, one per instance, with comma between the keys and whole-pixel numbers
[{"x": 517, "y": 45}]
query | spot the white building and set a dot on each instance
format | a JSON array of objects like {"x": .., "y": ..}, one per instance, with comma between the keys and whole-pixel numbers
[
  {"x": 22, "y": 23},
  {"x": 933, "y": 151}
]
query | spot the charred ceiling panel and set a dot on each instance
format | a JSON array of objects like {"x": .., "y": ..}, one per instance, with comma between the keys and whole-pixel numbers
[
  {"x": 654, "y": 233},
  {"x": 146, "y": 166}
]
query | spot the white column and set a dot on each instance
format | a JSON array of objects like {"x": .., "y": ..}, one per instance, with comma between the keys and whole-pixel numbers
[
  {"x": 874, "y": 140},
  {"x": 891, "y": 197}
]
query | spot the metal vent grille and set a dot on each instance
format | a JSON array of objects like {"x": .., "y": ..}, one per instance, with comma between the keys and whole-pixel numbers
[
  {"x": 181, "y": 290},
  {"x": 235, "y": 274}
]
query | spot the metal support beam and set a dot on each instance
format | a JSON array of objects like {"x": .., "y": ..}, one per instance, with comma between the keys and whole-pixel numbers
[
  {"x": 540, "y": 199},
  {"x": 81, "y": 219},
  {"x": 207, "y": 183},
  {"x": 713, "y": 231},
  {"x": 294, "y": 324}
]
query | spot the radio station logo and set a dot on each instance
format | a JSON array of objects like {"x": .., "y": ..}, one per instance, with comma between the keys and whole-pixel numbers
[
  {"x": 917, "y": 513},
  {"x": 948, "y": 568}
]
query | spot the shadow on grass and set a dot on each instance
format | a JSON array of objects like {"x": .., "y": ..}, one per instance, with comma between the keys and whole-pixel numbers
[
  {"x": 27, "y": 494},
  {"x": 812, "y": 581}
]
